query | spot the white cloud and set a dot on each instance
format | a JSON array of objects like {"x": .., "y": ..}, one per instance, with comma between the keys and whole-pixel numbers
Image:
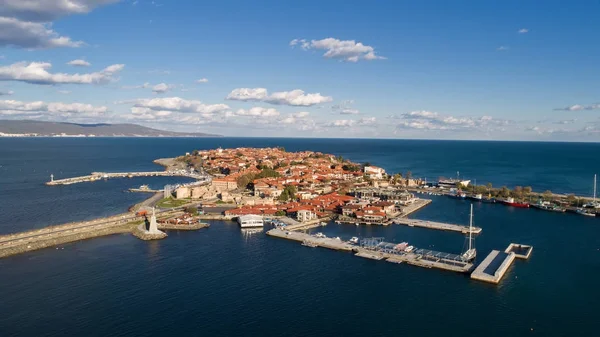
[
  {"x": 177, "y": 104},
  {"x": 202, "y": 80},
  {"x": 37, "y": 73},
  {"x": 79, "y": 63},
  {"x": 48, "y": 10},
  {"x": 6, "y": 93},
  {"x": 28, "y": 23},
  {"x": 12, "y": 107},
  {"x": 161, "y": 88},
  {"x": 300, "y": 114},
  {"x": 523, "y": 31},
  {"x": 257, "y": 112},
  {"x": 428, "y": 120},
  {"x": 64, "y": 92},
  {"x": 502, "y": 48},
  {"x": 295, "y": 97},
  {"x": 346, "y": 123},
  {"x": 32, "y": 35},
  {"x": 346, "y": 50},
  {"x": 579, "y": 107}
]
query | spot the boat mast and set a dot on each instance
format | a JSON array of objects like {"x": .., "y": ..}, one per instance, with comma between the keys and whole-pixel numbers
[
  {"x": 594, "y": 189},
  {"x": 470, "y": 227}
]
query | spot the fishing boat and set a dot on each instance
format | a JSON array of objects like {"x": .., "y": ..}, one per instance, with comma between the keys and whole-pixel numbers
[
  {"x": 458, "y": 194},
  {"x": 513, "y": 203},
  {"x": 476, "y": 197},
  {"x": 353, "y": 240},
  {"x": 471, "y": 252},
  {"x": 548, "y": 206},
  {"x": 585, "y": 212}
]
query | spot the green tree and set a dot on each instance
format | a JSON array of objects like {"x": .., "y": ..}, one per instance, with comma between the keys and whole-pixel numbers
[
  {"x": 196, "y": 152},
  {"x": 281, "y": 148},
  {"x": 191, "y": 210},
  {"x": 489, "y": 186},
  {"x": 280, "y": 213},
  {"x": 547, "y": 195},
  {"x": 504, "y": 192}
]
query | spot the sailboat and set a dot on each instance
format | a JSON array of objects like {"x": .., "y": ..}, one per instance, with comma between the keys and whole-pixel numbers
[
  {"x": 594, "y": 203},
  {"x": 471, "y": 253}
]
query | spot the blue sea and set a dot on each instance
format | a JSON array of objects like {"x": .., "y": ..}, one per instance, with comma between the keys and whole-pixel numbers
[{"x": 225, "y": 282}]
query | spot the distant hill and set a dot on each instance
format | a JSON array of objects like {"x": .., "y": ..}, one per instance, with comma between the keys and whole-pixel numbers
[{"x": 41, "y": 129}]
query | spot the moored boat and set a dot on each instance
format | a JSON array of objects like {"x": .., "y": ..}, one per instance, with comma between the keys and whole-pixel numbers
[
  {"x": 513, "y": 203},
  {"x": 476, "y": 197}
]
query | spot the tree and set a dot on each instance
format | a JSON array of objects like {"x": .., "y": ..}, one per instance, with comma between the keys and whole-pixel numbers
[
  {"x": 191, "y": 210},
  {"x": 244, "y": 180},
  {"x": 280, "y": 213},
  {"x": 527, "y": 190},
  {"x": 267, "y": 172},
  {"x": 408, "y": 175},
  {"x": 281, "y": 148},
  {"x": 504, "y": 192},
  {"x": 547, "y": 195},
  {"x": 518, "y": 191},
  {"x": 489, "y": 186},
  {"x": 289, "y": 193},
  {"x": 195, "y": 153},
  {"x": 366, "y": 164},
  {"x": 572, "y": 199}
]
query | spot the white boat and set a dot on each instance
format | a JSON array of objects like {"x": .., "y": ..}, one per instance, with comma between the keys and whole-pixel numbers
[
  {"x": 409, "y": 249},
  {"x": 354, "y": 240},
  {"x": 320, "y": 235},
  {"x": 337, "y": 238},
  {"x": 323, "y": 224},
  {"x": 250, "y": 220},
  {"x": 357, "y": 223}
]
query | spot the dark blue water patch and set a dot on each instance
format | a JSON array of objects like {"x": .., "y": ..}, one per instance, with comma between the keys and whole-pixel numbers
[{"x": 496, "y": 262}]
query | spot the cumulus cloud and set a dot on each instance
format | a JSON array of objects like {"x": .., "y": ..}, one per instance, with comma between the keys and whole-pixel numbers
[
  {"x": 141, "y": 86},
  {"x": 12, "y": 107},
  {"x": 32, "y": 35},
  {"x": 48, "y": 10},
  {"x": 523, "y": 31},
  {"x": 295, "y": 97},
  {"x": 346, "y": 50},
  {"x": 579, "y": 107},
  {"x": 202, "y": 80},
  {"x": 257, "y": 112},
  {"x": 6, "y": 93},
  {"x": 37, "y": 73},
  {"x": 177, "y": 104},
  {"x": 79, "y": 63},
  {"x": 502, "y": 48},
  {"x": 28, "y": 23},
  {"x": 161, "y": 88},
  {"x": 428, "y": 120}
]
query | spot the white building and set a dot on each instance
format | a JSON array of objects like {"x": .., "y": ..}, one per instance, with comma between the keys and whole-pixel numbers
[
  {"x": 374, "y": 172},
  {"x": 250, "y": 220}
]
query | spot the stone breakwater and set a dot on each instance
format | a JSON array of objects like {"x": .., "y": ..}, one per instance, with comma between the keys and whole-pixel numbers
[
  {"x": 141, "y": 233},
  {"x": 63, "y": 239}
]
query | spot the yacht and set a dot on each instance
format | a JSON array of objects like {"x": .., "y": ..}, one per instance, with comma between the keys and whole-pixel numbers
[{"x": 353, "y": 240}]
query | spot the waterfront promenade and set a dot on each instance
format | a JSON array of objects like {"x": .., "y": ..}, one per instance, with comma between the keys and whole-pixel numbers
[{"x": 436, "y": 225}]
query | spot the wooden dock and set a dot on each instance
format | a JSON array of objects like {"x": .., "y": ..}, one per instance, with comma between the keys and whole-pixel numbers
[
  {"x": 435, "y": 225},
  {"x": 493, "y": 267}
]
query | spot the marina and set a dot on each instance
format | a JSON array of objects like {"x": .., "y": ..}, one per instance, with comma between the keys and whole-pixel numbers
[{"x": 497, "y": 263}]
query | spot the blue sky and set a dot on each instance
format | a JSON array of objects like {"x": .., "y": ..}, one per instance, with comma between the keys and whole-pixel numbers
[{"x": 518, "y": 70}]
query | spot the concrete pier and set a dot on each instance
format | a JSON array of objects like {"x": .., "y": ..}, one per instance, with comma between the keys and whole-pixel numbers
[
  {"x": 414, "y": 258},
  {"x": 435, "y": 225},
  {"x": 521, "y": 251},
  {"x": 415, "y": 206},
  {"x": 493, "y": 267},
  {"x": 104, "y": 175}
]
